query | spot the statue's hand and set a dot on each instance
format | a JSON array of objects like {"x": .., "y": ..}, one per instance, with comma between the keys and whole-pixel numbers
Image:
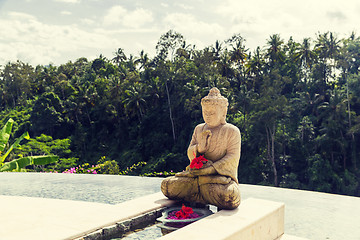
[
  {"x": 204, "y": 141},
  {"x": 184, "y": 174},
  {"x": 205, "y": 170},
  {"x": 208, "y": 163}
]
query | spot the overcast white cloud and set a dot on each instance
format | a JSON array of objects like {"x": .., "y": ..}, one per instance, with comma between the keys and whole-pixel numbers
[
  {"x": 68, "y": 1},
  {"x": 130, "y": 19},
  {"x": 183, "y": 6},
  {"x": 114, "y": 15},
  {"x": 43, "y": 31},
  {"x": 259, "y": 19},
  {"x": 65, "y": 13},
  {"x": 32, "y": 41},
  {"x": 188, "y": 25}
]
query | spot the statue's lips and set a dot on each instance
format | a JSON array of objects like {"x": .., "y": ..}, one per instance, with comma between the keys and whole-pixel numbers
[{"x": 208, "y": 118}]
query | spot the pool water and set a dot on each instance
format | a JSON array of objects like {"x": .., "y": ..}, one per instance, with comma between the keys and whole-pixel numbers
[
  {"x": 110, "y": 189},
  {"x": 149, "y": 233}
]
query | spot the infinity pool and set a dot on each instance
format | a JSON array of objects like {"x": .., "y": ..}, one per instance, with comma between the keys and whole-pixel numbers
[{"x": 109, "y": 189}]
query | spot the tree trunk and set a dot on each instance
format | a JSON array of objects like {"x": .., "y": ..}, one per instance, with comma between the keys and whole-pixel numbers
[
  {"x": 170, "y": 113},
  {"x": 353, "y": 144},
  {"x": 353, "y": 150},
  {"x": 271, "y": 151},
  {"x": 343, "y": 150},
  {"x": 273, "y": 156},
  {"x": 268, "y": 144},
  {"x": 88, "y": 115}
]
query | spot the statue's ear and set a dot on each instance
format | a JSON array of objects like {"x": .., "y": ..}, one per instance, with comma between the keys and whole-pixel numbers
[{"x": 223, "y": 117}]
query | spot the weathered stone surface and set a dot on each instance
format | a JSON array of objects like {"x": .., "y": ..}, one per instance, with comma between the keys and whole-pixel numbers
[
  {"x": 95, "y": 235},
  {"x": 111, "y": 230}
]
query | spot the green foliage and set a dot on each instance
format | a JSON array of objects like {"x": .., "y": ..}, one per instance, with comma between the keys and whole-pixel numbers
[
  {"x": 320, "y": 174},
  {"x": 349, "y": 183},
  {"x": 108, "y": 166},
  {"x": 159, "y": 174},
  {"x": 46, "y": 114},
  {"x": 18, "y": 164},
  {"x": 22, "y": 162},
  {"x": 291, "y": 181},
  {"x": 133, "y": 169},
  {"x": 166, "y": 162},
  {"x": 46, "y": 145}
]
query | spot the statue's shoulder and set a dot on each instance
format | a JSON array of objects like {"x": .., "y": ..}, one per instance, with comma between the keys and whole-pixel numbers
[
  {"x": 199, "y": 127},
  {"x": 228, "y": 127}
]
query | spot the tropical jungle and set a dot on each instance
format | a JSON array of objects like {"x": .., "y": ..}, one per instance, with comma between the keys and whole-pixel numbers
[{"x": 296, "y": 103}]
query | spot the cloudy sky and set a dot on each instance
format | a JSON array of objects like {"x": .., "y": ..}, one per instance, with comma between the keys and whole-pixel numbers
[{"x": 58, "y": 31}]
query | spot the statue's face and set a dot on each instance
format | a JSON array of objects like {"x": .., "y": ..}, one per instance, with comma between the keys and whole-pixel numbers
[{"x": 212, "y": 115}]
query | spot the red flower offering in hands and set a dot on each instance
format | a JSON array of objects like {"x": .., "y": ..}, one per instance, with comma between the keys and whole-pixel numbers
[{"x": 198, "y": 162}]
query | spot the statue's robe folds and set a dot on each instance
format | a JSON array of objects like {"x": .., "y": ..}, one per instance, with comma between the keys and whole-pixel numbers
[{"x": 220, "y": 189}]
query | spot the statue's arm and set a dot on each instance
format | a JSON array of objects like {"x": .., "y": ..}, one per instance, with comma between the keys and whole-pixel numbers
[
  {"x": 228, "y": 165},
  {"x": 200, "y": 142},
  {"x": 192, "y": 149}
]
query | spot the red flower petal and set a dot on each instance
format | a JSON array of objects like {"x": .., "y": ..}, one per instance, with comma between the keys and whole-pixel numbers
[
  {"x": 187, "y": 210},
  {"x": 184, "y": 213},
  {"x": 198, "y": 162},
  {"x": 180, "y": 215}
]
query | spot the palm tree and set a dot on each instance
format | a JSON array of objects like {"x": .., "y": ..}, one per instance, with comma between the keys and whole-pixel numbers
[
  {"x": 185, "y": 50},
  {"x": 143, "y": 60},
  {"x": 274, "y": 52},
  {"x": 119, "y": 56},
  {"x": 238, "y": 53},
  {"x": 224, "y": 66},
  {"x": 217, "y": 50},
  {"x": 305, "y": 57},
  {"x": 134, "y": 101},
  {"x": 131, "y": 65},
  {"x": 332, "y": 116},
  {"x": 328, "y": 47},
  {"x": 254, "y": 65}
]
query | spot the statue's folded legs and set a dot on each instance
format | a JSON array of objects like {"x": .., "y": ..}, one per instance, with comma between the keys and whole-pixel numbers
[{"x": 222, "y": 195}]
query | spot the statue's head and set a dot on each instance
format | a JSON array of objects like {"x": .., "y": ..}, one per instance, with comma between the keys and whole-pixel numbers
[{"x": 214, "y": 108}]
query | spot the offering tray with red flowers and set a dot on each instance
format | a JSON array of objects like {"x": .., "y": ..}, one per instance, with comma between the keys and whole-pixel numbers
[{"x": 175, "y": 218}]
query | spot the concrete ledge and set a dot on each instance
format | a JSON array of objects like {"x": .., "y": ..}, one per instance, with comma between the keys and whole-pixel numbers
[
  {"x": 253, "y": 219},
  {"x": 48, "y": 219}
]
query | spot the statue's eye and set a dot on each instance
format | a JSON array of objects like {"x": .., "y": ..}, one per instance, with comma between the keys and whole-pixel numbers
[{"x": 209, "y": 113}]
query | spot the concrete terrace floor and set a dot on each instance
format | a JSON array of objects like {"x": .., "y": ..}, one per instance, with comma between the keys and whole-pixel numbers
[{"x": 37, "y": 206}]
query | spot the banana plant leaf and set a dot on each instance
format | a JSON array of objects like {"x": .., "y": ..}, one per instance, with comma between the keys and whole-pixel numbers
[
  {"x": 19, "y": 163},
  {"x": 5, "y": 134},
  {"x": 15, "y": 145}
]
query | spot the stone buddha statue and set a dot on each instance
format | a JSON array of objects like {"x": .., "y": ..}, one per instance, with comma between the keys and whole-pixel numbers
[{"x": 219, "y": 142}]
